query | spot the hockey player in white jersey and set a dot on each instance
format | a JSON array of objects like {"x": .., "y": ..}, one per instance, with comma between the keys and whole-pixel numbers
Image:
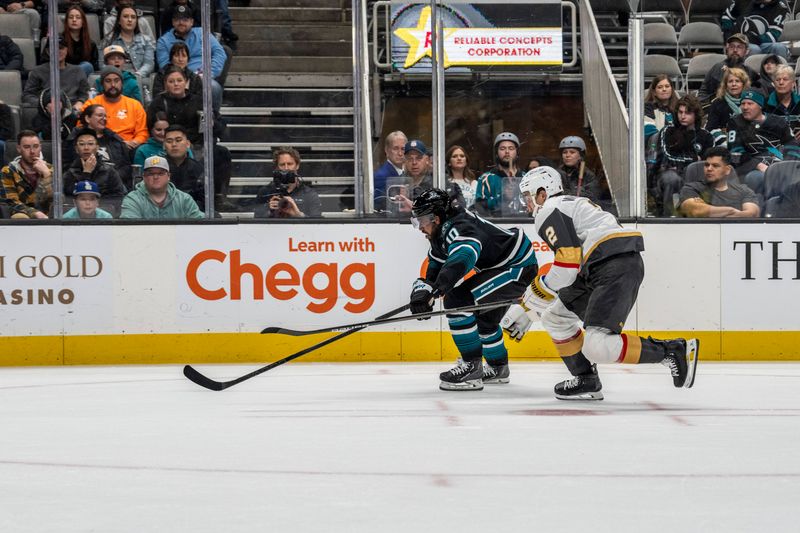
[{"x": 586, "y": 296}]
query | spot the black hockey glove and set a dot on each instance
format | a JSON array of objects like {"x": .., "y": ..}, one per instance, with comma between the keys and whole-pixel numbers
[{"x": 422, "y": 297}]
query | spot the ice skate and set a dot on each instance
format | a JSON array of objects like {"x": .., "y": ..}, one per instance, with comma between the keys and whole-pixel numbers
[
  {"x": 465, "y": 376},
  {"x": 495, "y": 375},
  {"x": 584, "y": 387},
  {"x": 681, "y": 359}
]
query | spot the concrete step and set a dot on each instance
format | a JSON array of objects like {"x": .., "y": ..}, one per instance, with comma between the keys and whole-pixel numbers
[
  {"x": 289, "y": 80},
  {"x": 311, "y": 167},
  {"x": 256, "y": 150},
  {"x": 289, "y": 15},
  {"x": 329, "y": 4},
  {"x": 294, "y": 97},
  {"x": 247, "y": 30},
  {"x": 305, "y": 64},
  {"x": 295, "y": 48},
  {"x": 289, "y": 134}
]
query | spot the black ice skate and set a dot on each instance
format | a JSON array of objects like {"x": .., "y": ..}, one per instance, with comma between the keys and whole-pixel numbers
[
  {"x": 681, "y": 359},
  {"x": 464, "y": 376},
  {"x": 584, "y": 387},
  {"x": 495, "y": 375}
]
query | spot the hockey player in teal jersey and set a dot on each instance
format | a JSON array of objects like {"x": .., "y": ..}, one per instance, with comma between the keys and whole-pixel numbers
[{"x": 504, "y": 262}]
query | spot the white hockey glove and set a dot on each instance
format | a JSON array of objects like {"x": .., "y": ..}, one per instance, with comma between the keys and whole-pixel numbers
[
  {"x": 516, "y": 322},
  {"x": 538, "y": 296}
]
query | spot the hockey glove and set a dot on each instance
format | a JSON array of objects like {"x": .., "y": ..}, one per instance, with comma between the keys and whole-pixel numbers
[
  {"x": 538, "y": 296},
  {"x": 421, "y": 297},
  {"x": 517, "y": 321}
]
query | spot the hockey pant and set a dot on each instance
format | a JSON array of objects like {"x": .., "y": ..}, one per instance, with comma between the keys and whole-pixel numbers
[
  {"x": 479, "y": 334},
  {"x": 600, "y": 302}
]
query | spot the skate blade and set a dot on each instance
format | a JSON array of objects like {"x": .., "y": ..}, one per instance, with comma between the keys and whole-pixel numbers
[
  {"x": 692, "y": 355},
  {"x": 474, "y": 384},
  {"x": 496, "y": 381},
  {"x": 586, "y": 396}
]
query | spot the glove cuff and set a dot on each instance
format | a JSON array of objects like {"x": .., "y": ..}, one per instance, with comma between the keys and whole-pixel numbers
[{"x": 541, "y": 290}]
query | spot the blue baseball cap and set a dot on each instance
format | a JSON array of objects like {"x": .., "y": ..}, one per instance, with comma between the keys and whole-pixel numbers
[
  {"x": 86, "y": 186},
  {"x": 754, "y": 96},
  {"x": 416, "y": 145}
]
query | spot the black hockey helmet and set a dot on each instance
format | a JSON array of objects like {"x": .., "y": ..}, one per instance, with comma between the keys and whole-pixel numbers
[{"x": 431, "y": 202}]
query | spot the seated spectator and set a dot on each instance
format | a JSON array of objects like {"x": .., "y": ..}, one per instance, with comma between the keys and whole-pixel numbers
[
  {"x": 26, "y": 183},
  {"x": 179, "y": 57},
  {"x": 784, "y": 101},
  {"x": 110, "y": 21},
  {"x": 726, "y": 104},
  {"x": 138, "y": 48},
  {"x": 168, "y": 14},
  {"x": 186, "y": 173},
  {"x": 416, "y": 179},
  {"x": 86, "y": 195},
  {"x": 767, "y": 73},
  {"x": 157, "y": 125},
  {"x": 228, "y": 35},
  {"x": 71, "y": 78},
  {"x": 489, "y": 190},
  {"x": 156, "y": 197},
  {"x": 672, "y": 150},
  {"x": 736, "y": 49},
  {"x": 10, "y": 55},
  {"x": 659, "y": 105},
  {"x": 27, "y": 8},
  {"x": 578, "y": 180},
  {"x": 756, "y": 140},
  {"x": 288, "y": 196},
  {"x": 124, "y": 116},
  {"x": 6, "y": 130},
  {"x": 81, "y": 51},
  {"x": 716, "y": 197},
  {"x": 392, "y": 167},
  {"x": 761, "y": 21},
  {"x": 459, "y": 173},
  {"x": 182, "y": 30},
  {"x": 90, "y": 165},
  {"x": 115, "y": 56},
  {"x": 111, "y": 147}
]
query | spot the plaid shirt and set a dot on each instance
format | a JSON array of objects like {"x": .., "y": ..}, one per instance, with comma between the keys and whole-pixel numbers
[{"x": 20, "y": 195}]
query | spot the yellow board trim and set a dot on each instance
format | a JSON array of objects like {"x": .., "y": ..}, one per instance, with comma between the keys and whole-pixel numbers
[{"x": 359, "y": 347}]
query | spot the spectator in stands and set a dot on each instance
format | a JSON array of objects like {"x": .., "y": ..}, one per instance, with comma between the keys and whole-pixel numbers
[
  {"x": 179, "y": 57},
  {"x": 157, "y": 125},
  {"x": 24, "y": 7},
  {"x": 111, "y": 147},
  {"x": 672, "y": 150},
  {"x": 659, "y": 105},
  {"x": 578, "y": 180},
  {"x": 110, "y": 21},
  {"x": 115, "y": 56},
  {"x": 81, "y": 50},
  {"x": 90, "y": 165},
  {"x": 761, "y": 21},
  {"x": 156, "y": 197},
  {"x": 735, "y": 51},
  {"x": 26, "y": 183},
  {"x": 784, "y": 101},
  {"x": 139, "y": 48},
  {"x": 489, "y": 190},
  {"x": 767, "y": 73},
  {"x": 10, "y": 55},
  {"x": 185, "y": 172},
  {"x": 393, "y": 166},
  {"x": 193, "y": 37},
  {"x": 716, "y": 196},
  {"x": 6, "y": 130},
  {"x": 458, "y": 171},
  {"x": 226, "y": 29},
  {"x": 124, "y": 116},
  {"x": 288, "y": 196},
  {"x": 168, "y": 13},
  {"x": 86, "y": 196},
  {"x": 416, "y": 178},
  {"x": 71, "y": 78},
  {"x": 756, "y": 140},
  {"x": 729, "y": 97}
]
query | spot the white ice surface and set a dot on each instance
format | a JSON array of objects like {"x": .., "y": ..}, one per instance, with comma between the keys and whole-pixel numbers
[{"x": 378, "y": 448}]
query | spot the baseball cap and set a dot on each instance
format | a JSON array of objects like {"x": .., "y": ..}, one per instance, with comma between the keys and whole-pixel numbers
[
  {"x": 156, "y": 161},
  {"x": 741, "y": 37},
  {"x": 108, "y": 69},
  {"x": 114, "y": 49},
  {"x": 182, "y": 12},
  {"x": 416, "y": 145},
  {"x": 86, "y": 186},
  {"x": 754, "y": 96}
]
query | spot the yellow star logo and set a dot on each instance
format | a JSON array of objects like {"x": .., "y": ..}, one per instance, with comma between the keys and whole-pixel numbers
[{"x": 419, "y": 38}]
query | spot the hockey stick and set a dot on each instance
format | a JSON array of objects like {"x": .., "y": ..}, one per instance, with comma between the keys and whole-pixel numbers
[
  {"x": 380, "y": 320},
  {"x": 210, "y": 384}
]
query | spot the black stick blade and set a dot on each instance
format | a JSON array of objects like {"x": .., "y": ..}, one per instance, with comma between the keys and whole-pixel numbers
[
  {"x": 196, "y": 377},
  {"x": 282, "y": 331}
]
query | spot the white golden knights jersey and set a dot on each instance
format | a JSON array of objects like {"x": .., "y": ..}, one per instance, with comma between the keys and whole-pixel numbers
[{"x": 581, "y": 234}]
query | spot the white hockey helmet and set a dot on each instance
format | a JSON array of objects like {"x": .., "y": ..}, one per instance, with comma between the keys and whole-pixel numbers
[
  {"x": 546, "y": 178},
  {"x": 573, "y": 141}
]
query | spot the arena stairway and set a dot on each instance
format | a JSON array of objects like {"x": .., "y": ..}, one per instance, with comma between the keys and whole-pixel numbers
[{"x": 290, "y": 84}]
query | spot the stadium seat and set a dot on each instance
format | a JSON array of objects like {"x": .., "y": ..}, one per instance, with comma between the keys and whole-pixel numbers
[
  {"x": 696, "y": 172},
  {"x": 753, "y": 61},
  {"x": 699, "y": 66},
  {"x": 11, "y": 87},
  {"x": 791, "y": 33},
  {"x": 28, "y": 50},
  {"x": 15, "y": 25},
  {"x": 707, "y": 10},
  {"x": 655, "y": 64},
  {"x": 701, "y": 35},
  {"x": 93, "y": 21},
  {"x": 660, "y": 36}
]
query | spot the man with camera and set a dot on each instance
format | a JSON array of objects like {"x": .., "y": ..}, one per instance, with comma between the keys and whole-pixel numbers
[{"x": 288, "y": 196}]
